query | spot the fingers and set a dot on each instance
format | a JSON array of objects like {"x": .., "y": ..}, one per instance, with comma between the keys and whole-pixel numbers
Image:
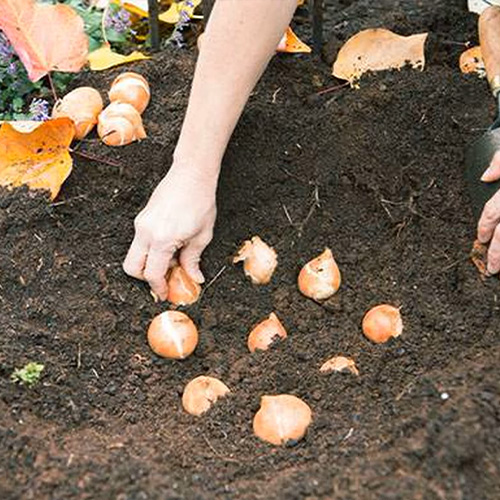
[
  {"x": 492, "y": 173},
  {"x": 494, "y": 252},
  {"x": 157, "y": 265},
  {"x": 135, "y": 260},
  {"x": 489, "y": 219},
  {"x": 190, "y": 256}
]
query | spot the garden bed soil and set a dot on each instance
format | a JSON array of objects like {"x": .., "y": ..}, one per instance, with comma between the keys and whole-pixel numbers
[{"x": 375, "y": 174}]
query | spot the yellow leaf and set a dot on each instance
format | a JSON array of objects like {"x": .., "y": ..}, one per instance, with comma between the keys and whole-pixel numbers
[
  {"x": 292, "y": 44},
  {"x": 378, "y": 49},
  {"x": 138, "y": 7},
  {"x": 104, "y": 58},
  {"x": 36, "y": 154},
  {"x": 172, "y": 15}
]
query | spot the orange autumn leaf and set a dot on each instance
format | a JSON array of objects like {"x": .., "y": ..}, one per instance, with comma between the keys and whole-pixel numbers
[
  {"x": 292, "y": 44},
  {"x": 376, "y": 50},
  {"x": 45, "y": 37},
  {"x": 36, "y": 154}
]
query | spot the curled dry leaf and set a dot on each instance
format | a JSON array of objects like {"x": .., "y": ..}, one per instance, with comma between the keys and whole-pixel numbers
[
  {"x": 259, "y": 260},
  {"x": 479, "y": 257},
  {"x": 378, "y": 49},
  {"x": 172, "y": 334},
  {"x": 282, "y": 419},
  {"x": 201, "y": 393},
  {"x": 45, "y": 37},
  {"x": 182, "y": 290},
  {"x": 104, "y": 58},
  {"x": 339, "y": 364},
  {"x": 292, "y": 44},
  {"x": 471, "y": 61},
  {"x": 83, "y": 105},
  {"x": 265, "y": 333},
  {"x": 120, "y": 124},
  {"x": 131, "y": 88},
  {"x": 320, "y": 278},
  {"x": 36, "y": 154}
]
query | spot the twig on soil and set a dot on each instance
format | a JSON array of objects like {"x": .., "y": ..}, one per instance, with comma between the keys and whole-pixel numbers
[
  {"x": 52, "y": 88},
  {"x": 275, "y": 93},
  {"x": 288, "y": 215},
  {"x": 92, "y": 157},
  {"x": 331, "y": 89},
  {"x": 69, "y": 200},
  {"x": 316, "y": 204},
  {"x": 217, "y": 454},
  {"x": 213, "y": 280},
  {"x": 79, "y": 357}
]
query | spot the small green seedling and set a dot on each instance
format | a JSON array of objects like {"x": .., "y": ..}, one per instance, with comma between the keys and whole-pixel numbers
[{"x": 29, "y": 375}]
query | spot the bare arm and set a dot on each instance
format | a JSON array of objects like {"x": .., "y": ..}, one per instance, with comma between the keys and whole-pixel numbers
[{"x": 240, "y": 39}]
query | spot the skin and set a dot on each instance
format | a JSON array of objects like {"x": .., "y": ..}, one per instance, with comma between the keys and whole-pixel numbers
[
  {"x": 488, "y": 230},
  {"x": 180, "y": 214}
]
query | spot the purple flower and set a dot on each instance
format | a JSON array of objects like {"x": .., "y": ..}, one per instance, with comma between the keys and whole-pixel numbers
[
  {"x": 12, "y": 68},
  {"x": 39, "y": 110},
  {"x": 6, "y": 50},
  {"x": 119, "y": 21}
]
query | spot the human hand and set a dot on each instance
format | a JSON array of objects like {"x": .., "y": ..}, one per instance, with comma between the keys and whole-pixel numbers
[
  {"x": 179, "y": 217},
  {"x": 489, "y": 223}
]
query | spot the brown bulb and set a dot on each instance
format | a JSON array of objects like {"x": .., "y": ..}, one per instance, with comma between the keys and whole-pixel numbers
[
  {"x": 182, "y": 290},
  {"x": 282, "y": 420},
  {"x": 120, "y": 124},
  {"x": 382, "y": 322},
  {"x": 339, "y": 364},
  {"x": 259, "y": 260},
  {"x": 265, "y": 333},
  {"x": 320, "y": 278},
  {"x": 83, "y": 106},
  {"x": 131, "y": 88},
  {"x": 201, "y": 393},
  {"x": 173, "y": 335}
]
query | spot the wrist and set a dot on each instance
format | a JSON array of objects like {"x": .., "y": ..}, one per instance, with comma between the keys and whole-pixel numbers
[{"x": 196, "y": 173}]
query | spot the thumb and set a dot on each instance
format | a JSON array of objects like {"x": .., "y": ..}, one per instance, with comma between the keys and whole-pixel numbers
[
  {"x": 492, "y": 173},
  {"x": 190, "y": 257}
]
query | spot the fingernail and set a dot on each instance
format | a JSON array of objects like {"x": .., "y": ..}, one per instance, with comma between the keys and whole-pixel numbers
[
  {"x": 197, "y": 275},
  {"x": 486, "y": 177}
]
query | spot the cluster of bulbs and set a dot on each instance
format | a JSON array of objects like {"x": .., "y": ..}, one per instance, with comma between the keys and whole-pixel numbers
[{"x": 282, "y": 419}]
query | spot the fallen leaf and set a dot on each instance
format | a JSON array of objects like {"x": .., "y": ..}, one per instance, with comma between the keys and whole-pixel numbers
[
  {"x": 479, "y": 257},
  {"x": 104, "y": 58},
  {"x": 36, "y": 154},
  {"x": 376, "y": 50},
  {"x": 45, "y": 37},
  {"x": 173, "y": 14},
  {"x": 292, "y": 44},
  {"x": 471, "y": 61}
]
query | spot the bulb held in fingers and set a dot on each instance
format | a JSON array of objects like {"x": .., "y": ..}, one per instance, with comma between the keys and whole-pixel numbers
[
  {"x": 339, "y": 364},
  {"x": 201, "y": 393},
  {"x": 320, "y": 278},
  {"x": 182, "y": 290},
  {"x": 265, "y": 333},
  {"x": 172, "y": 334},
  {"x": 259, "y": 260},
  {"x": 382, "y": 323},
  {"x": 282, "y": 420},
  {"x": 131, "y": 88},
  {"x": 83, "y": 106},
  {"x": 120, "y": 124}
]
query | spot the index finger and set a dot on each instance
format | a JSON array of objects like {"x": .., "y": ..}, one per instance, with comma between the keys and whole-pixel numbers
[{"x": 157, "y": 265}]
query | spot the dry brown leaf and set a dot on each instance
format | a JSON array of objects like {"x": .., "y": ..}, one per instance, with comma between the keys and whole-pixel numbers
[
  {"x": 479, "y": 257},
  {"x": 45, "y": 37},
  {"x": 376, "y": 50},
  {"x": 36, "y": 154}
]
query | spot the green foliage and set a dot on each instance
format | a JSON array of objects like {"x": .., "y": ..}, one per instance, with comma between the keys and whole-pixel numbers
[{"x": 29, "y": 375}]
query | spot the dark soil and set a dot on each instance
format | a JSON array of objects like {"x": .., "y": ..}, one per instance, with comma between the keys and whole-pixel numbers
[{"x": 423, "y": 419}]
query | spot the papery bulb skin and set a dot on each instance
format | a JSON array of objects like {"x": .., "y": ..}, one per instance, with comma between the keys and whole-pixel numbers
[
  {"x": 172, "y": 334},
  {"x": 339, "y": 364},
  {"x": 259, "y": 260},
  {"x": 131, "y": 88},
  {"x": 83, "y": 105},
  {"x": 201, "y": 393},
  {"x": 320, "y": 278},
  {"x": 120, "y": 124}
]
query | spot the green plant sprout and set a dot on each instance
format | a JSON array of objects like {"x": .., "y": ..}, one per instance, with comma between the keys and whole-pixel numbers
[{"x": 29, "y": 375}]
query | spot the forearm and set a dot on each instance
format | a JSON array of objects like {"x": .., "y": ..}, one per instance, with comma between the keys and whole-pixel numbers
[{"x": 239, "y": 41}]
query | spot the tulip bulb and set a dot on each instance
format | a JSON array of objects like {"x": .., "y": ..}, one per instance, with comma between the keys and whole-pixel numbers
[
  {"x": 320, "y": 278},
  {"x": 282, "y": 420},
  {"x": 265, "y": 333},
  {"x": 131, "y": 88},
  {"x": 173, "y": 335},
  {"x": 83, "y": 106},
  {"x": 120, "y": 124},
  {"x": 381, "y": 323},
  {"x": 182, "y": 290},
  {"x": 259, "y": 260},
  {"x": 201, "y": 393},
  {"x": 339, "y": 364}
]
